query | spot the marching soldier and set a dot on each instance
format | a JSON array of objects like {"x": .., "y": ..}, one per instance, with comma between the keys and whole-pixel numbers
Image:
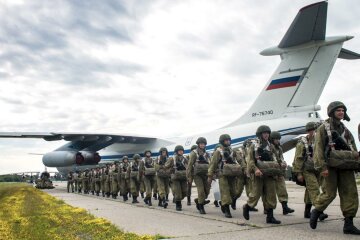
[
  {"x": 304, "y": 169},
  {"x": 336, "y": 157},
  {"x": 85, "y": 181},
  {"x": 147, "y": 170},
  {"x": 107, "y": 186},
  {"x": 103, "y": 180},
  {"x": 114, "y": 180},
  {"x": 197, "y": 169},
  {"x": 225, "y": 164},
  {"x": 70, "y": 182},
  {"x": 133, "y": 172},
  {"x": 162, "y": 176},
  {"x": 92, "y": 181},
  {"x": 177, "y": 164},
  {"x": 80, "y": 184},
  {"x": 75, "y": 176},
  {"x": 281, "y": 191},
  {"x": 125, "y": 184},
  {"x": 97, "y": 181},
  {"x": 262, "y": 154}
]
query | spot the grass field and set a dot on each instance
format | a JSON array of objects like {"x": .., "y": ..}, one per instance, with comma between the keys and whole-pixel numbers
[{"x": 28, "y": 213}]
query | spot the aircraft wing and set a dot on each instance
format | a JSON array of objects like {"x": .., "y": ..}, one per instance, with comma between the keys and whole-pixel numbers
[{"x": 81, "y": 137}]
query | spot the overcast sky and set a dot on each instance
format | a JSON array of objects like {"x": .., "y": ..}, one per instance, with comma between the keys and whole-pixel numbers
[{"x": 161, "y": 68}]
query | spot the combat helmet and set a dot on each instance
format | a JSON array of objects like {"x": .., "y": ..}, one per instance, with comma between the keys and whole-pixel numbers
[
  {"x": 223, "y": 138},
  {"x": 164, "y": 149},
  {"x": 146, "y": 151},
  {"x": 262, "y": 129},
  {"x": 136, "y": 156},
  {"x": 335, "y": 105},
  {"x": 201, "y": 140},
  {"x": 275, "y": 135},
  {"x": 178, "y": 148},
  {"x": 193, "y": 147},
  {"x": 310, "y": 126}
]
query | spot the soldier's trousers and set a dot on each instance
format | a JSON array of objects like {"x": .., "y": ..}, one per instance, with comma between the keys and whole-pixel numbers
[
  {"x": 189, "y": 186},
  {"x": 155, "y": 190},
  {"x": 107, "y": 186},
  {"x": 248, "y": 184},
  {"x": 134, "y": 186},
  {"x": 97, "y": 186},
  {"x": 80, "y": 185},
  {"x": 281, "y": 191},
  {"x": 263, "y": 187},
  {"x": 344, "y": 182},
  {"x": 313, "y": 181},
  {"x": 92, "y": 185},
  {"x": 163, "y": 186},
  {"x": 70, "y": 183},
  {"x": 76, "y": 185},
  {"x": 149, "y": 182},
  {"x": 85, "y": 184},
  {"x": 114, "y": 186},
  {"x": 179, "y": 189},
  {"x": 202, "y": 187},
  {"x": 227, "y": 187},
  {"x": 142, "y": 186},
  {"x": 125, "y": 186},
  {"x": 102, "y": 186},
  {"x": 240, "y": 185}
]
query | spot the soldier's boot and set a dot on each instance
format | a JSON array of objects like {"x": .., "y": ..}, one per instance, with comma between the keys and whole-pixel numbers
[
  {"x": 135, "y": 200},
  {"x": 189, "y": 201},
  {"x": 125, "y": 198},
  {"x": 206, "y": 202},
  {"x": 216, "y": 203},
  {"x": 323, "y": 216},
  {"x": 307, "y": 212},
  {"x": 146, "y": 200},
  {"x": 92, "y": 192},
  {"x": 165, "y": 204},
  {"x": 265, "y": 211},
  {"x": 197, "y": 204},
  {"x": 107, "y": 194},
  {"x": 286, "y": 209},
  {"x": 155, "y": 196},
  {"x": 97, "y": 194},
  {"x": 233, "y": 203},
  {"x": 115, "y": 195},
  {"x": 202, "y": 209},
  {"x": 149, "y": 203},
  {"x": 253, "y": 209},
  {"x": 270, "y": 217},
  {"x": 246, "y": 211},
  {"x": 178, "y": 206},
  {"x": 167, "y": 197},
  {"x": 160, "y": 204},
  {"x": 349, "y": 227},
  {"x": 315, "y": 214},
  {"x": 227, "y": 211},
  {"x": 142, "y": 195}
]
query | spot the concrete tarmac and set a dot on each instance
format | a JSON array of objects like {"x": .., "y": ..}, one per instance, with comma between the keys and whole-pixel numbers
[{"x": 189, "y": 224}]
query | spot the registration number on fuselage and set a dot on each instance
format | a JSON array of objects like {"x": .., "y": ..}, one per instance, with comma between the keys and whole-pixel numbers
[{"x": 262, "y": 113}]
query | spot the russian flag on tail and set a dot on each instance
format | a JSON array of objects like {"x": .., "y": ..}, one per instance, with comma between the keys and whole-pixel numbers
[{"x": 283, "y": 82}]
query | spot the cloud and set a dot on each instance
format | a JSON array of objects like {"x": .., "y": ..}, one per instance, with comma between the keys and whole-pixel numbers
[{"x": 160, "y": 68}]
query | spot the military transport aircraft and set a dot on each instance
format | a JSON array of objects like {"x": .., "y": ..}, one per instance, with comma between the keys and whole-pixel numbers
[{"x": 287, "y": 102}]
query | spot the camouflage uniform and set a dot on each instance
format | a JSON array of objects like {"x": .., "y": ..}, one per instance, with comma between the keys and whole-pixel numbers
[
  {"x": 85, "y": 181},
  {"x": 179, "y": 186},
  {"x": 80, "y": 185},
  {"x": 92, "y": 181},
  {"x": 125, "y": 179},
  {"x": 133, "y": 172},
  {"x": 337, "y": 179},
  {"x": 227, "y": 185},
  {"x": 114, "y": 181},
  {"x": 162, "y": 181},
  {"x": 75, "y": 175},
  {"x": 149, "y": 178},
  {"x": 103, "y": 180},
  {"x": 70, "y": 182},
  {"x": 264, "y": 186},
  {"x": 97, "y": 181}
]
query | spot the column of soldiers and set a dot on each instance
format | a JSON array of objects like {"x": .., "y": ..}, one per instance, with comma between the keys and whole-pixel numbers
[{"x": 324, "y": 163}]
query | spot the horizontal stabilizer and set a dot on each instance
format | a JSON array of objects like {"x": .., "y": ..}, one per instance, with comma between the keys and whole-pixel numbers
[
  {"x": 349, "y": 55},
  {"x": 308, "y": 25}
]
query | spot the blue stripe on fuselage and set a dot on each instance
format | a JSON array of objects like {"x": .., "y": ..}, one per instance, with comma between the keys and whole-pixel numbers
[{"x": 208, "y": 147}]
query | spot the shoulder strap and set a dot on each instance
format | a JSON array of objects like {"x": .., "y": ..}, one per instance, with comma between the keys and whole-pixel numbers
[{"x": 328, "y": 132}]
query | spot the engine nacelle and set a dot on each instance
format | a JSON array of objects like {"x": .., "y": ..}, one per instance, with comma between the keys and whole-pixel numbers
[
  {"x": 62, "y": 159},
  {"x": 91, "y": 157}
]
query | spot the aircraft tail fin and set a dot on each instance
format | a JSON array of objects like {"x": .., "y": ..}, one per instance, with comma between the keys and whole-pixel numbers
[{"x": 307, "y": 58}]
